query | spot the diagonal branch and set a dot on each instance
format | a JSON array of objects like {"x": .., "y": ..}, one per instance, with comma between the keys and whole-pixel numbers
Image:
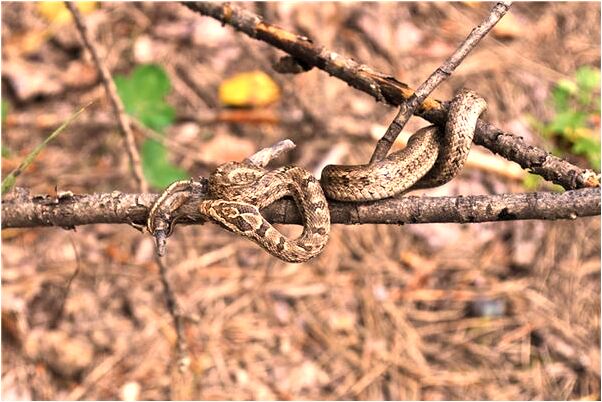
[
  {"x": 442, "y": 72},
  {"x": 20, "y": 209},
  {"x": 116, "y": 104},
  {"x": 385, "y": 88},
  {"x": 134, "y": 158}
]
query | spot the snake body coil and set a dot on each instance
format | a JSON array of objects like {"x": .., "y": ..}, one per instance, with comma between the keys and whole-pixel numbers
[
  {"x": 430, "y": 159},
  {"x": 239, "y": 190}
]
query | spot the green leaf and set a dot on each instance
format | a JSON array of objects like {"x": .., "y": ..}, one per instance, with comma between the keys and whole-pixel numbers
[
  {"x": 561, "y": 94},
  {"x": 5, "y": 107},
  {"x": 10, "y": 180},
  {"x": 585, "y": 99},
  {"x": 567, "y": 86},
  {"x": 566, "y": 122},
  {"x": 143, "y": 95},
  {"x": 156, "y": 167},
  {"x": 557, "y": 188},
  {"x": 5, "y": 152},
  {"x": 588, "y": 78},
  {"x": 532, "y": 181},
  {"x": 590, "y": 148},
  {"x": 560, "y": 98}
]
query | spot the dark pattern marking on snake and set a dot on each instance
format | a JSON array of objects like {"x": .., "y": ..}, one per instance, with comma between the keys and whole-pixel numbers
[
  {"x": 237, "y": 191},
  {"x": 242, "y": 185}
]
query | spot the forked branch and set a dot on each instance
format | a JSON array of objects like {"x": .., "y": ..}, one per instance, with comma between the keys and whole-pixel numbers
[
  {"x": 385, "y": 88},
  {"x": 442, "y": 72}
]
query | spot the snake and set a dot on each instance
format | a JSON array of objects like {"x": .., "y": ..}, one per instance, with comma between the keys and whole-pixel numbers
[
  {"x": 237, "y": 191},
  {"x": 431, "y": 158}
]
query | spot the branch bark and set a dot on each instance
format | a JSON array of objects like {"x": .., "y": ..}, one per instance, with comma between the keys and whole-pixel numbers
[
  {"x": 19, "y": 209},
  {"x": 442, "y": 72},
  {"x": 387, "y": 89},
  {"x": 116, "y": 104},
  {"x": 125, "y": 124}
]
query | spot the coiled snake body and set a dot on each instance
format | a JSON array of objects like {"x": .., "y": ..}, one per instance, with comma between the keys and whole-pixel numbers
[
  {"x": 233, "y": 196},
  {"x": 241, "y": 190},
  {"x": 237, "y": 191},
  {"x": 431, "y": 158}
]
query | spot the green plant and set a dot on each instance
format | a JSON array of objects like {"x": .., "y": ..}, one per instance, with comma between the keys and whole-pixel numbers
[
  {"x": 5, "y": 107},
  {"x": 143, "y": 94},
  {"x": 575, "y": 126},
  {"x": 576, "y": 122}
]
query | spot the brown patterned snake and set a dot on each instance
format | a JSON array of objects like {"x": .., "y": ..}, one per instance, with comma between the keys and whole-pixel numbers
[
  {"x": 429, "y": 160},
  {"x": 236, "y": 191}
]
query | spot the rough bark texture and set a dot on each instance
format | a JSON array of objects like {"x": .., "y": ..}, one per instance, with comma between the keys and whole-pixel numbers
[
  {"x": 67, "y": 210},
  {"x": 387, "y": 89},
  {"x": 116, "y": 103},
  {"x": 442, "y": 72}
]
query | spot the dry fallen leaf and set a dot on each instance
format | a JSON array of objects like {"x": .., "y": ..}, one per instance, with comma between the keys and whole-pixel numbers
[
  {"x": 25, "y": 43},
  {"x": 508, "y": 27},
  {"x": 29, "y": 79},
  {"x": 67, "y": 356},
  {"x": 225, "y": 147},
  {"x": 250, "y": 89}
]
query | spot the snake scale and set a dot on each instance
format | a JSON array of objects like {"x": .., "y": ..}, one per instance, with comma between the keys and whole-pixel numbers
[
  {"x": 236, "y": 191},
  {"x": 240, "y": 190},
  {"x": 430, "y": 159}
]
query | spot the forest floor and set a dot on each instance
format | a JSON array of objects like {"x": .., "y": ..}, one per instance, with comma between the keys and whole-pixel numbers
[{"x": 505, "y": 310}]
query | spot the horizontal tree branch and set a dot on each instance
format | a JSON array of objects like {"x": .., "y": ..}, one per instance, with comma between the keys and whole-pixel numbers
[
  {"x": 386, "y": 88},
  {"x": 19, "y": 209}
]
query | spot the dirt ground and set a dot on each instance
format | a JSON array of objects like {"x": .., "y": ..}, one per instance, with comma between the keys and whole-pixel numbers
[{"x": 507, "y": 310}]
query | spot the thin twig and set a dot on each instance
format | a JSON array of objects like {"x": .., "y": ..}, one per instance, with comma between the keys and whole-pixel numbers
[
  {"x": 386, "y": 88},
  {"x": 442, "y": 72},
  {"x": 23, "y": 210},
  {"x": 58, "y": 316},
  {"x": 134, "y": 158},
  {"x": 183, "y": 360},
  {"x": 117, "y": 105}
]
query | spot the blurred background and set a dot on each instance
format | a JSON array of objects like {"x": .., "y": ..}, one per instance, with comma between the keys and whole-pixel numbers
[{"x": 507, "y": 310}]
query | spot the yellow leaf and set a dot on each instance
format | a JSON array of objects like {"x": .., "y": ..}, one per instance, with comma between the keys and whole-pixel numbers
[
  {"x": 253, "y": 88},
  {"x": 56, "y": 12}
]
